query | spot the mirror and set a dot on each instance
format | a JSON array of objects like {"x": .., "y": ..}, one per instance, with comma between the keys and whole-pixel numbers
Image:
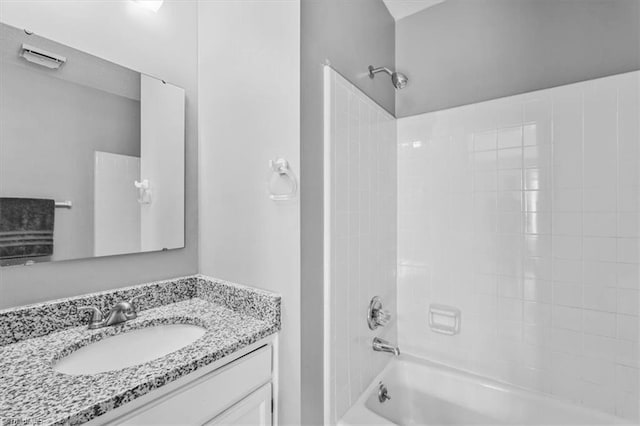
[{"x": 91, "y": 155}]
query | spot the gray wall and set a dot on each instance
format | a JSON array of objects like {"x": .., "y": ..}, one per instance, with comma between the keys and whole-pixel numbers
[
  {"x": 167, "y": 49},
  {"x": 352, "y": 35},
  {"x": 465, "y": 51}
]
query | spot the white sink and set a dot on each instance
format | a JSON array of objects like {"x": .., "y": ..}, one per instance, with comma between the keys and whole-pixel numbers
[{"x": 129, "y": 349}]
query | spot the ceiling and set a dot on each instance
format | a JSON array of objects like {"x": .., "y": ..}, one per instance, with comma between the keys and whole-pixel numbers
[{"x": 402, "y": 8}]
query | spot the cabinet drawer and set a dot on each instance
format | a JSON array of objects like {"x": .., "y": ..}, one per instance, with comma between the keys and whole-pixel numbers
[{"x": 198, "y": 402}]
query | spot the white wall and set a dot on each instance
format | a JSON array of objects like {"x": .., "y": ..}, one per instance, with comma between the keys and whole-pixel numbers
[
  {"x": 360, "y": 238},
  {"x": 524, "y": 213},
  {"x": 249, "y": 80},
  {"x": 162, "y": 44}
]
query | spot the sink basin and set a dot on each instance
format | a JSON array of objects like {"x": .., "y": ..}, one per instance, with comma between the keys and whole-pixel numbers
[{"x": 129, "y": 349}]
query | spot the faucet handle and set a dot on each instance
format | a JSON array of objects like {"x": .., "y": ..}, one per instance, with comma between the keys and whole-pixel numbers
[
  {"x": 376, "y": 316},
  {"x": 382, "y": 317},
  {"x": 131, "y": 308},
  {"x": 132, "y": 301},
  {"x": 96, "y": 314}
]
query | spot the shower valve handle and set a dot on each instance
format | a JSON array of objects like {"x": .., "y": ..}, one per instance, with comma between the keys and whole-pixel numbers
[
  {"x": 376, "y": 316},
  {"x": 382, "y": 317}
]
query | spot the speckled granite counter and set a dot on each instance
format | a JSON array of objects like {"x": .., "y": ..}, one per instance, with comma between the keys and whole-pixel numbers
[{"x": 32, "y": 392}]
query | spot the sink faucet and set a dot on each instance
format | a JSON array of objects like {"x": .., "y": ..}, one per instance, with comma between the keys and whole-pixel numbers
[
  {"x": 381, "y": 345},
  {"x": 121, "y": 312}
]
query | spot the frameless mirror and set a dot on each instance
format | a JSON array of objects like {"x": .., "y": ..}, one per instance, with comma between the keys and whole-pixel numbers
[{"x": 91, "y": 155}]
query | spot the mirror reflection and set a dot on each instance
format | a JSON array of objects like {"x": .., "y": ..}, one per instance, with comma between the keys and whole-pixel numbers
[{"x": 91, "y": 155}]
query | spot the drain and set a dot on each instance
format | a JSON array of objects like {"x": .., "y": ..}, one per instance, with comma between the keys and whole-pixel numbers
[{"x": 383, "y": 393}]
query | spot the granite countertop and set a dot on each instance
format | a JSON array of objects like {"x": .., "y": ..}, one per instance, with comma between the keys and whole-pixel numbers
[{"x": 32, "y": 392}]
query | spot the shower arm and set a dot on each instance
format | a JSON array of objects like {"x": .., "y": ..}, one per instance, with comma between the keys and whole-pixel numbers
[{"x": 373, "y": 71}]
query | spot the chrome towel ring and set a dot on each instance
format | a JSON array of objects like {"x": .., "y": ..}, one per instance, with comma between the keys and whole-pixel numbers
[{"x": 281, "y": 167}]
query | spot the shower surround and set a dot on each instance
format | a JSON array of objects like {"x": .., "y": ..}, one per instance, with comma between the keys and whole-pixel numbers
[
  {"x": 523, "y": 212},
  {"x": 360, "y": 238}
]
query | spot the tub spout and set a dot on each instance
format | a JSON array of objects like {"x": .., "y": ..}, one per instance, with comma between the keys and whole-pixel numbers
[{"x": 381, "y": 345}]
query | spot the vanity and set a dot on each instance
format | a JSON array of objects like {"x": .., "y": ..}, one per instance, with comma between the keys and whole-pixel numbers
[{"x": 198, "y": 351}]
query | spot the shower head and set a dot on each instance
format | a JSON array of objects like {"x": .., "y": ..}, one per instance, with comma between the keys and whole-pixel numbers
[{"x": 398, "y": 79}]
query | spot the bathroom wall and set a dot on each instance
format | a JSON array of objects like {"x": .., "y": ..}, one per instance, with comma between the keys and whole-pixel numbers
[
  {"x": 524, "y": 213},
  {"x": 352, "y": 35},
  {"x": 465, "y": 51},
  {"x": 162, "y": 44},
  {"x": 249, "y": 79},
  {"x": 360, "y": 238}
]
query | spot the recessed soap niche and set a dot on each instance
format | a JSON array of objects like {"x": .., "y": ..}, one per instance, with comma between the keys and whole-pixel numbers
[{"x": 444, "y": 319}]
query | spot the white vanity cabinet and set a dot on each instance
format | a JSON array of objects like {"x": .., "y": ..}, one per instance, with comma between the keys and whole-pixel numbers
[{"x": 238, "y": 393}]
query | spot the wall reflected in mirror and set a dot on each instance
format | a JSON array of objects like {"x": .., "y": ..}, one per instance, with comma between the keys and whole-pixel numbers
[{"x": 91, "y": 155}]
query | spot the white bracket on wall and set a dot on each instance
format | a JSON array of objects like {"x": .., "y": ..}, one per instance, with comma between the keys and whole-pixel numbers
[
  {"x": 444, "y": 319},
  {"x": 281, "y": 168}
]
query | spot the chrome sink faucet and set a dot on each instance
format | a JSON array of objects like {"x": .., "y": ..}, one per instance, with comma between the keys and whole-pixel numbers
[
  {"x": 121, "y": 312},
  {"x": 381, "y": 345}
]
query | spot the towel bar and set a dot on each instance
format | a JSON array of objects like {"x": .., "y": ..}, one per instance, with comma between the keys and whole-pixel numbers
[{"x": 64, "y": 204}]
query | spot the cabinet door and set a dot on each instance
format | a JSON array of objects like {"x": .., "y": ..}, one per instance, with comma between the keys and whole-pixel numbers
[
  {"x": 209, "y": 396},
  {"x": 254, "y": 410}
]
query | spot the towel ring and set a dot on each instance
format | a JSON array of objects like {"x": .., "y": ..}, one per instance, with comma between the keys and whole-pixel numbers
[
  {"x": 281, "y": 167},
  {"x": 144, "y": 191}
]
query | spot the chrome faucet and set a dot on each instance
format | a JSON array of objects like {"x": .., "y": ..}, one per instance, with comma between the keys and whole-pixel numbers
[
  {"x": 381, "y": 345},
  {"x": 121, "y": 312}
]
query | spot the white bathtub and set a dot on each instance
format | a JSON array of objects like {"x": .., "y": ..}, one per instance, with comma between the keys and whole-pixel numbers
[{"x": 424, "y": 393}]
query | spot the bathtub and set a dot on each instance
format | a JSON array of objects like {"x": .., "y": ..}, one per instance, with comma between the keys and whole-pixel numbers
[{"x": 424, "y": 393}]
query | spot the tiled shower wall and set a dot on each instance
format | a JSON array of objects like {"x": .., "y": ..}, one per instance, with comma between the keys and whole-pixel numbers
[
  {"x": 360, "y": 236},
  {"x": 523, "y": 212}
]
